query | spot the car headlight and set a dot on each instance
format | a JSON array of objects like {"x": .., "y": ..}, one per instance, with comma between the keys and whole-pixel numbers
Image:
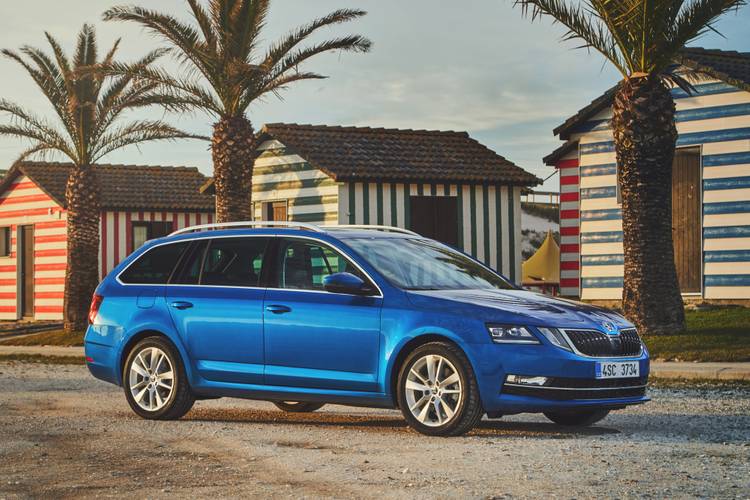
[
  {"x": 509, "y": 334},
  {"x": 555, "y": 337}
]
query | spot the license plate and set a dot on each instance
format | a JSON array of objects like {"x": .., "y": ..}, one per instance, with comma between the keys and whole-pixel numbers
[{"x": 617, "y": 369}]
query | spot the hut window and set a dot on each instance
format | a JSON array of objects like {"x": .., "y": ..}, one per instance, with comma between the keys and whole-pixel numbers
[
  {"x": 144, "y": 231},
  {"x": 4, "y": 241},
  {"x": 275, "y": 210}
]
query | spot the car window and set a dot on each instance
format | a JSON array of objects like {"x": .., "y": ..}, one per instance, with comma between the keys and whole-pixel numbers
[
  {"x": 234, "y": 262},
  {"x": 303, "y": 265},
  {"x": 420, "y": 264},
  {"x": 189, "y": 272},
  {"x": 155, "y": 266}
]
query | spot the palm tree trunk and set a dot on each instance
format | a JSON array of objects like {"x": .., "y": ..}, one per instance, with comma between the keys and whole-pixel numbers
[
  {"x": 645, "y": 137},
  {"x": 82, "y": 271},
  {"x": 233, "y": 151}
]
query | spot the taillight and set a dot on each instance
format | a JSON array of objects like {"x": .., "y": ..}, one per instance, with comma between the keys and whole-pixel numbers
[{"x": 96, "y": 302}]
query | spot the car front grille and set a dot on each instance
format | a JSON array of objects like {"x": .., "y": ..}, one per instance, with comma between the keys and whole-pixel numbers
[
  {"x": 600, "y": 345},
  {"x": 566, "y": 389}
]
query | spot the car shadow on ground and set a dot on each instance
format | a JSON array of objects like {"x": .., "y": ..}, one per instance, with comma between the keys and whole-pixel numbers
[{"x": 381, "y": 423}]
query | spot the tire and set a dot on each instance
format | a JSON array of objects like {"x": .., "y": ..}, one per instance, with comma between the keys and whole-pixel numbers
[
  {"x": 156, "y": 401},
  {"x": 577, "y": 418},
  {"x": 431, "y": 416},
  {"x": 298, "y": 406}
]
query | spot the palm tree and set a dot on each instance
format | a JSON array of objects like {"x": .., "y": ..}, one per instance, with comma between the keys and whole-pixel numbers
[
  {"x": 643, "y": 40},
  {"x": 88, "y": 106},
  {"x": 227, "y": 72}
]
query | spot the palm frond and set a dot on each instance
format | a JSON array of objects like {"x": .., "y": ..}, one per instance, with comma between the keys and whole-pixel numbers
[
  {"x": 89, "y": 98},
  {"x": 86, "y": 50},
  {"x": 204, "y": 22},
  {"x": 138, "y": 132},
  {"x": 279, "y": 50},
  {"x": 282, "y": 82},
  {"x": 43, "y": 138},
  {"x": 698, "y": 18},
  {"x": 191, "y": 48},
  {"x": 582, "y": 24},
  {"x": 222, "y": 47},
  {"x": 49, "y": 80},
  {"x": 640, "y": 37},
  {"x": 180, "y": 88}
]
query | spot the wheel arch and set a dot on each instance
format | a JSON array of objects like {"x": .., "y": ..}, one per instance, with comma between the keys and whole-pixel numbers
[
  {"x": 413, "y": 343},
  {"x": 137, "y": 337}
]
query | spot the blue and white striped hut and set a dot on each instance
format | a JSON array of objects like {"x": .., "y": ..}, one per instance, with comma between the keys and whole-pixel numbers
[
  {"x": 444, "y": 185},
  {"x": 711, "y": 189}
]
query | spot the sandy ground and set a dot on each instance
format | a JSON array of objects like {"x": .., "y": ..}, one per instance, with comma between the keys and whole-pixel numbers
[{"x": 64, "y": 434}]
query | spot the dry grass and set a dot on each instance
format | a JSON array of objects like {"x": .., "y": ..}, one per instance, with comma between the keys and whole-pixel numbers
[
  {"x": 47, "y": 360},
  {"x": 713, "y": 335},
  {"x": 53, "y": 337}
]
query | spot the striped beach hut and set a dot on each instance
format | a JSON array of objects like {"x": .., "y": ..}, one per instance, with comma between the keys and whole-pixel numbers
[
  {"x": 444, "y": 185},
  {"x": 138, "y": 203},
  {"x": 710, "y": 190}
]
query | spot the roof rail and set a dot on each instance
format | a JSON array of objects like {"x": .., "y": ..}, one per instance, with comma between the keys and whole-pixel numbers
[
  {"x": 391, "y": 229},
  {"x": 230, "y": 225}
]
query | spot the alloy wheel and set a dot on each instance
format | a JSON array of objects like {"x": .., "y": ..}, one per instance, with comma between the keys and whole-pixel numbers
[
  {"x": 151, "y": 379},
  {"x": 433, "y": 390}
]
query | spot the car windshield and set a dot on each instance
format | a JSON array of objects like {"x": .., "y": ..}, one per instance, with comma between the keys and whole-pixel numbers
[{"x": 417, "y": 264}]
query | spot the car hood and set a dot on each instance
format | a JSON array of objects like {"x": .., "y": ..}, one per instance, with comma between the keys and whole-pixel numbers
[{"x": 518, "y": 307}]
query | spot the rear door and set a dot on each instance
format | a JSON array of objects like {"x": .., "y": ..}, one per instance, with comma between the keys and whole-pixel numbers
[
  {"x": 216, "y": 302},
  {"x": 686, "y": 218},
  {"x": 313, "y": 338}
]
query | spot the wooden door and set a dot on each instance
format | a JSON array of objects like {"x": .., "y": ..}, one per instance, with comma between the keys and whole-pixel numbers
[
  {"x": 686, "y": 218},
  {"x": 26, "y": 266},
  {"x": 276, "y": 211},
  {"x": 435, "y": 217}
]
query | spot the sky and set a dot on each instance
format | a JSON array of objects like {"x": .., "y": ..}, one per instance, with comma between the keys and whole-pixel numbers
[{"x": 474, "y": 65}]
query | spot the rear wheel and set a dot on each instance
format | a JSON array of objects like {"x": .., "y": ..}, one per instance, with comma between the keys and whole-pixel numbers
[
  {"x": 298, "y": 406},
  {"x": 154, "y": 380},
  {"x": 577, "y": 418},
  {"x": 437, "y": 391}
]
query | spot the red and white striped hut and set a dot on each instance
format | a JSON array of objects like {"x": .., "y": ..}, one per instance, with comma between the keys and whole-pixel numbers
[{"x": 138, "y": 203}]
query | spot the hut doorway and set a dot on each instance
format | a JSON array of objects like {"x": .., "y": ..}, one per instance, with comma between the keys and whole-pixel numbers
[
  {"x": 26, "y": 270},
  {"x": 435, "y": 217},
  {"x": 686, "y": 219}
]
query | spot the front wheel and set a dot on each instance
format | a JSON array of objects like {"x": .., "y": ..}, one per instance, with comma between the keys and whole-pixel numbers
[
  {"x": 298, "y": 406},
  {"x": 577, "y": 418},
  {"x": 154, "y": 380},
  {"x": 437, "y": 391}
]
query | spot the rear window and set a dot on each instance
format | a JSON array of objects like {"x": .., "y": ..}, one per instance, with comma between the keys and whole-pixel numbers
[{"x": 155, "y": 266}]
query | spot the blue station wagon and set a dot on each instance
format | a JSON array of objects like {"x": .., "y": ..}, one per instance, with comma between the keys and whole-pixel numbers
[{"x": 302, "y": 315}]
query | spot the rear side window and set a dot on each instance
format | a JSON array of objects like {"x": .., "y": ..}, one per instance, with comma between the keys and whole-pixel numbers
[
  {"x": 155, "y": 266},
  {"x": 234, "y": 262}
]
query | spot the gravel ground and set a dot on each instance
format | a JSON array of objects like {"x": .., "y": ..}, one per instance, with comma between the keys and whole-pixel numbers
[{"x": 64, "y": 434}]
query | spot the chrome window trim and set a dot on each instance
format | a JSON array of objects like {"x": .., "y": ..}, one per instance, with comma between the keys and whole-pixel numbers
[
  {"x": 274, "y": 235},
  {"x": 564, "y": 331}
]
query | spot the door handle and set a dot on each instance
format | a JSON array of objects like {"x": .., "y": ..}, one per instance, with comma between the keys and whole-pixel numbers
[
  {"x": 278, "y": 309},
  {"x": 181, "y": 305}
]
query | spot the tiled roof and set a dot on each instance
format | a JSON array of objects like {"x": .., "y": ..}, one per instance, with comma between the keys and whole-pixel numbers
[
  {"x": 556, "y": 155},
  {"x": 729, "y": 66},
  {"x": 363, "y": 153},
  {"x": 123, "y": 187}
]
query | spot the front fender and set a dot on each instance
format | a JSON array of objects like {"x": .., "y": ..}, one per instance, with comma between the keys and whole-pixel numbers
[{"x": 402, "y": 345}]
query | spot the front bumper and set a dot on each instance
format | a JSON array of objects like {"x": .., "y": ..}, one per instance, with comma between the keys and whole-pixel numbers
[{"x": 572, "y": 382}]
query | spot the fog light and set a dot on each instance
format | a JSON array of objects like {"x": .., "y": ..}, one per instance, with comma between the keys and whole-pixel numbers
[{"x": 524, "y": 380}]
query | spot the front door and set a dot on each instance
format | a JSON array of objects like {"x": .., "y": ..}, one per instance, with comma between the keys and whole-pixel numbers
[
  {"x": 216, "y": 302},
  {"x": 686, "y": 218},
  {"x": 26, "y": 269},
  {"x": 435, "y": 217},
  {"x": 313, "y": 338}
]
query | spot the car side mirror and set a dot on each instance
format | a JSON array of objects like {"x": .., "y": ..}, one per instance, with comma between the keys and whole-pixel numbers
[{"x": 346, "y": 283}]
